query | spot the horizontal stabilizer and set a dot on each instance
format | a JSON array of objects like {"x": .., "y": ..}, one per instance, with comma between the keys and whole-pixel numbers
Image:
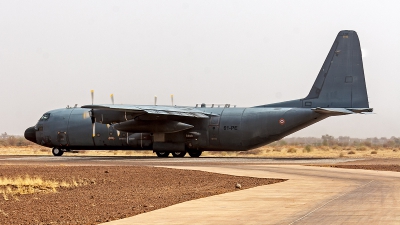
[
  {"x": 332, "y": 111},
  {"x": 361, "y": 110},
  {"x": 342, "y": 111}
]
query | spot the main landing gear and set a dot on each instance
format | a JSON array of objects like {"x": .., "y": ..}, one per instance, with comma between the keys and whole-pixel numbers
[
  {"x": 178, "y": 154},
  {"x": 192, "y": 153},
  {"x": 162, "y": 154},
  {"x": 195, "y": 153}
]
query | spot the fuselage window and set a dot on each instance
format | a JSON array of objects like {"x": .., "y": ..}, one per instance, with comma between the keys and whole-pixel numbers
[
  {"x": 45, "y": 116},
  {"x": 214, "y": 120}
]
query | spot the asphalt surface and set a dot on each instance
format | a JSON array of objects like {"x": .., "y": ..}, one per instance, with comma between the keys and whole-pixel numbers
[
  {"x": 312, "y": 195},
  {"x": 155, "y": 161}
]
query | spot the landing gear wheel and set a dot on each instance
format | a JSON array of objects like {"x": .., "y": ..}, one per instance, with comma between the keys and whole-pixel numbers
[
  {"x": 179, "y": 154},
  {"x": 162, "y": 154},
  {"x": 195, "y": 153},
  {"x": 57, "y": 152}
]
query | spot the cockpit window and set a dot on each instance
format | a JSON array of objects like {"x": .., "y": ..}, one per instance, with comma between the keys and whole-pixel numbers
[{"x": 45, "y": 116}]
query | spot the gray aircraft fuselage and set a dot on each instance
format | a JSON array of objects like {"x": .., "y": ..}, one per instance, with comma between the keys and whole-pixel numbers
[
  {"x": 235, "y": 129},
  {"x": 339, "y": 89}
]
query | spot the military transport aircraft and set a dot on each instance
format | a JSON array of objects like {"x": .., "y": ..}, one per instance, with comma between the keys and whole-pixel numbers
[{"x": 338, "y": 90}]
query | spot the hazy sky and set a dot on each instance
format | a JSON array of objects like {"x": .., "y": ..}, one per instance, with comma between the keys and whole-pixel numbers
[{"x": 245, "y": 53}]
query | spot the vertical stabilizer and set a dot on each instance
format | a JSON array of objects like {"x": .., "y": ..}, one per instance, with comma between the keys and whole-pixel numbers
[{"x": 340, "y": 82}]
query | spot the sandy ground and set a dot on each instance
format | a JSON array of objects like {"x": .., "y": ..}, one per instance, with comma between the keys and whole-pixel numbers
[
  {"x": 123, "y": 186},
  {"x": 285, "y": 151},
  {"x": 114, "y": 192}
]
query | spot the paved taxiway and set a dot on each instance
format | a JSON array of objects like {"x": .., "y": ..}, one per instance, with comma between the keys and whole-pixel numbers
[{"x": 312, "y": 195}]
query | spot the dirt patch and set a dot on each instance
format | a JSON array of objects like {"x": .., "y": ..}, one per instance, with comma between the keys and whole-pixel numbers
[
  {"x": 388, "y": 164},
  {"x": 383, "y": 161},
  {"x": 114, "y": 192},
  {"x": 395, "y": 168}
]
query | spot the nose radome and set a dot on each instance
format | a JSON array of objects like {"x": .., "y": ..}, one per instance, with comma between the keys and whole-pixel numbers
[{"x": 30, "y": 134}]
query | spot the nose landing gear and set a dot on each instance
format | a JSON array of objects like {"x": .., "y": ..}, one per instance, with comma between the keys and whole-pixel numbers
[{"x": 58, "y": 152}]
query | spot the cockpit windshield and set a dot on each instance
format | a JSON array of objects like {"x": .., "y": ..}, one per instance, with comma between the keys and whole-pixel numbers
[{"x": 45, "y": 116}]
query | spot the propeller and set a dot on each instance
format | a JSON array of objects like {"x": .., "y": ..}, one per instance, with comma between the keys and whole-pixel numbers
[
  {"x": 112, "y": 98},
  {"x": 92, "y": 116},
  {"x": 155, "y": 100},
  {"x": 94, "y": 126},
  {"x": 172, "y": 100}
]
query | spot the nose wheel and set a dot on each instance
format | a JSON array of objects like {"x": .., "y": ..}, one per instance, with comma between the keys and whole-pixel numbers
[{"x": 57, "y": 152}]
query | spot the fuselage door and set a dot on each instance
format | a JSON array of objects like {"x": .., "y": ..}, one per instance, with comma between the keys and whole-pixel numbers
[
  {"x": 62, "y": 137},
  {"x": 213, "y": 131}
]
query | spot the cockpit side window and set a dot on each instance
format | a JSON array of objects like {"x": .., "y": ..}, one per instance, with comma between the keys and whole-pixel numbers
[{"x": 45, "y": 116}]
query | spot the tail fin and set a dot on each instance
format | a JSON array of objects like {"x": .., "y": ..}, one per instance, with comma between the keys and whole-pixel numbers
[{"x": 340, "y": 82}]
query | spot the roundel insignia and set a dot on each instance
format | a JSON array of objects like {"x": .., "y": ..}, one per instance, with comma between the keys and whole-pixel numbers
[{"x": 282, "y": 121}]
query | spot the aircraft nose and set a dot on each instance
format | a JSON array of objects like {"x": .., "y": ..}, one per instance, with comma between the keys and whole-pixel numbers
[{"x": 30, "y": 134}]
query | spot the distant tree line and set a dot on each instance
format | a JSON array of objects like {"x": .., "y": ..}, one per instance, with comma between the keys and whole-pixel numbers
[
  {"x": 13, "y": 140},
  {"x": 325, "y": 140}
]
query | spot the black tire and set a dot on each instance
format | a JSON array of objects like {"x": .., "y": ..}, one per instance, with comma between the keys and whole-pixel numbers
[
  {"x": 179, "y": 154},
  {"x": 57, "y": 152},
  {"x": 162, "y": 154},
  {"x": 195, "y": 153}
]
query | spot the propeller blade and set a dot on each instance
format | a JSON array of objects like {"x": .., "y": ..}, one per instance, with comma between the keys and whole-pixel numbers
[
  {"x": 91, "y": 114},
  {"x": 92, "y": 94},
  {"x": 172, "y": 100},
  {"x": 155, "y": 100},
  {"x": 112, "y": 98},
  {"x": 94, "y": 129}
]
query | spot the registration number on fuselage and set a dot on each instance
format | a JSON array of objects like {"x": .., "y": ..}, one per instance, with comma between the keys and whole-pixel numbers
[{"x": 230, "y": 127}]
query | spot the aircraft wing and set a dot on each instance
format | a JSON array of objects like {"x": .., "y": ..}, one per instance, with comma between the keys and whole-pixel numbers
[
  {"x": 152, "y": 110},
  {"x": 108, "y": 114}
]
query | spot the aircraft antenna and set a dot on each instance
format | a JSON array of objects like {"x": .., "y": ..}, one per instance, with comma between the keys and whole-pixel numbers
[
  {"x": 155, "y": 99},
  {"x": 172, "y": 100},
  {"x": 112, "y": 98}
]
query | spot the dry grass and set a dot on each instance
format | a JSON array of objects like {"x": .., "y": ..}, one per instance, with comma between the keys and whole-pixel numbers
[
  {"x": 39, "y": 150},
  {"x": 273, "y": 151},
  {"x": 23, "y": 185},
  {"x": 298, "y": 151}
]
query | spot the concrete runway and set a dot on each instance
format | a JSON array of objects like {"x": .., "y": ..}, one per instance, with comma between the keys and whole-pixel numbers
[{"x": 312, "y": 195}]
